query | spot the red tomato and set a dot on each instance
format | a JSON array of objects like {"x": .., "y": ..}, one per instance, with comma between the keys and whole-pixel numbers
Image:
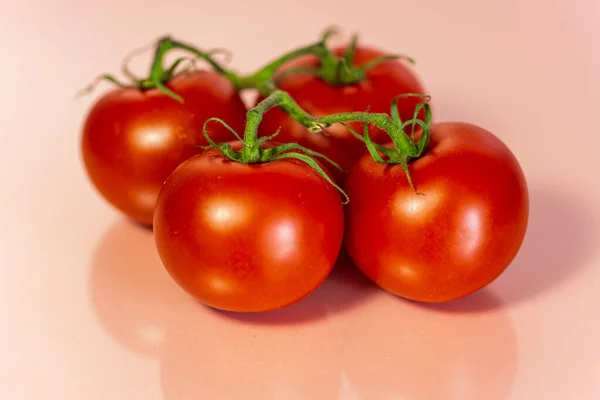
[
  {"x": 318, "y": 98},
  {"x": 133, "y": 139},
  {"x": 453, "y": 239},
  {"x": 242, "y": 237}
]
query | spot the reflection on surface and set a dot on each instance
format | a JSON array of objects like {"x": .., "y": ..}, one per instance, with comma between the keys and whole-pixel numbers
[
  {"x": 561, "y": 236},
  {"x": 381, "y": 348},
  {"x": 395, "y": 349},
  {"x": 131, "y": 292},
  {"x": 206, "y": 356},
  {"x": 346, "y": 340},
  {"x": 134, "y": 297},
  {"x": 291, "y": 353}
]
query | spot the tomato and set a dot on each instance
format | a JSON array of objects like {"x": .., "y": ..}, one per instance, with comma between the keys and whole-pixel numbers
[
  {"x": 454, "y": 238},
  {"x": 319, "y": 98},
  {"x": 248, "y": 237},
  {"x": 133, "y": 139}
]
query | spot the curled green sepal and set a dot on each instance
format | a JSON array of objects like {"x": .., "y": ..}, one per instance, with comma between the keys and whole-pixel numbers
[
  {"x": 159, "y": 76},
  {"x": 371, "y": 146},
  {"x": 340, "y": 70},
  {"x": 391, "y": 155},
  {"x": 263, "y": 79},
  {"x": 99, "y": 79},
  {"x": 424, "y": 139},
  {"x": 253, "y": 153},
  {"x": 404, "y": 148}
]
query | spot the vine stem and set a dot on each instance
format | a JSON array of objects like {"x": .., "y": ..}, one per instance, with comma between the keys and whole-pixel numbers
[
  {"x": 335, "y": 70},
  {"x": 262, "y": 79},
  {"x": 252, "y": 151},
  {"x": 405, "y": 146}
]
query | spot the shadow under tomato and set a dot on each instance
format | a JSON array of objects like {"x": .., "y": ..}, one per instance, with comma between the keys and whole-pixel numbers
[
  {"x": 130, "y": 291},
  {"x": 560, "y": 239},
  {"x": 392, "y": 349},
  {"x": 344, "y": 288},
  {"x": 477, "y": 302},
  {"x": 147, "y": 227}
]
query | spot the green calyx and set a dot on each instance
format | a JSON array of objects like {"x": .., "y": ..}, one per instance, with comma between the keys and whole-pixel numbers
[
  {"x": 159, "y": 76},
  {"x": 340, "y": 70},
  {"x": 395, "y": 155},
  {"x": 253, "y": 149}
]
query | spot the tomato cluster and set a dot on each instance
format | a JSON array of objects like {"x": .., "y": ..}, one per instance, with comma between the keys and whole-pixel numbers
[{"x": 250, "y": 207}]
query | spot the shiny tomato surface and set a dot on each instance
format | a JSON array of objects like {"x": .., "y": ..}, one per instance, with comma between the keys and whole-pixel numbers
[
  {"x": 319, "y": 98},
  {"x": 248, "y": 238},
  {"x": 454, "y": 238},
  {"x": 133, "y": 139}
]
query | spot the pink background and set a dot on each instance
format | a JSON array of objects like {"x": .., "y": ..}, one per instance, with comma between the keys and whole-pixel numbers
[{"x": 87, "y": 311}]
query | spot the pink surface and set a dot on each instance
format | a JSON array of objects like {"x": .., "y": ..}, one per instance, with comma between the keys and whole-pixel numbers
[{"x": 87, "y": 311}]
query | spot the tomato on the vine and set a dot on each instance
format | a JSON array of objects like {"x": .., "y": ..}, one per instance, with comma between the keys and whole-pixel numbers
[
  {"x": 460, "y": 229},
  {"x": 248, "y": 237},
  {"x": 133, "y": 139},
  {"x": 381, "y": 84}
]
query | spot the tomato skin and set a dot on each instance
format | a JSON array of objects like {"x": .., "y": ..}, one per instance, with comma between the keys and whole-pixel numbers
[
  {"x": 319, "y": 98},
  {"x": 455, "y": 238},
  {"x": 244, "y": 237},
  {"x": 133, "y": 139}
]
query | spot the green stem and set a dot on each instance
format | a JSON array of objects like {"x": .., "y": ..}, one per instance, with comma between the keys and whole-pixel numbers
[
  {"x": 383, "y": 121},
  {"x": 158, "y": 76},
  {"x": 262, "y": 80},
  {"x": 232, "y": 77},
  {"x": 406, "y": 147},
  {"x": 156, "y": 70},
  {"x": 334, "y": 70},
  {"x": 331, "y": 69},
  {"x": 250, "y": 151}
]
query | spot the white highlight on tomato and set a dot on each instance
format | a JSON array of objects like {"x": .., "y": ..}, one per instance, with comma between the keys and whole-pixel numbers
[
  {"x": 284, "y": 238},
  {"x": 470, "y": 232},
  {"x": 219, "y": 285},
  {"x": 155, "y": 138},
  {"x": 224, "y": 215}
]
